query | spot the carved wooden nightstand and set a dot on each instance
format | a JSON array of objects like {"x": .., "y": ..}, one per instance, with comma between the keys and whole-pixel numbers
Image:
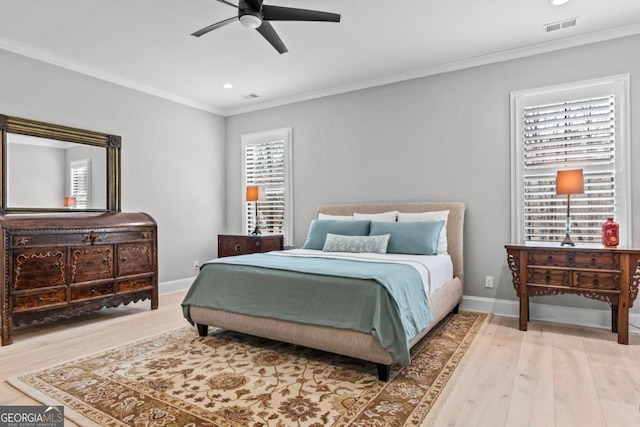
[
  {"x": 240, "y": 244},
  {"x": 610, "y": 275}
]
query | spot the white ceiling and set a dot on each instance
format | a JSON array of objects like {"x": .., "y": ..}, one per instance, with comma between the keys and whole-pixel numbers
[{"x": 146, "y": 44}]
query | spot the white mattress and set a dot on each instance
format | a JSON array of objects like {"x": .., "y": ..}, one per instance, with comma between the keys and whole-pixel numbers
[{"x": 435, "y": 270}]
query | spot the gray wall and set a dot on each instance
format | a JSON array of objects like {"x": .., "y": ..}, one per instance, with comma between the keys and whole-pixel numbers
[
  {"x": 443, "y": 137},
  {"x": 172, "y": 155}
]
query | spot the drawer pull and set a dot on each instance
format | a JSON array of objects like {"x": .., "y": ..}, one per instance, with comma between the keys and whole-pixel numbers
[
  {"x": 547, "y": 277},
  {"x": 593, "y": 261},
  {"x": 93, "y": 291},
  {"x": 550, "y": 258},
  {"x": 56, "y": 265},
  {"x": 123, "y": 259},
  {"x": 91, "y": 238},
  {"x": 595, "y": 282},
  {"x": 238, "y": 249},
  {"x": 258, "y": 243},
  {"x": 105, "y": 261},
  {"x": 135, "y": 283},
  {"x": 40, "y": 300}
]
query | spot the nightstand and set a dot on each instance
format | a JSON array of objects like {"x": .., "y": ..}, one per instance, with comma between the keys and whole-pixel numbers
[
  {"x": 241, "y": 244},
  {"x": 606, "y": 274}
]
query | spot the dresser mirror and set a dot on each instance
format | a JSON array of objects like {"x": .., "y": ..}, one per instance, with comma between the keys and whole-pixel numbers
[{"x": 53, "y": 168}]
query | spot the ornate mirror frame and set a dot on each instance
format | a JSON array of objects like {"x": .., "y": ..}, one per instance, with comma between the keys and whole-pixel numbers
[{"x": 111, "y": 143}]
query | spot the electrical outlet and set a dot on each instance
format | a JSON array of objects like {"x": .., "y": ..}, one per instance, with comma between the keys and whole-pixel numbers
[
  {"x": 196, "y": 265},
  {"x": 488, "y": 281}
]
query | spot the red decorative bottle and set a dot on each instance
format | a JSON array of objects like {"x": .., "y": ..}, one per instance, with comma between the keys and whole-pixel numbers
[{"x": 610, "y": 233}]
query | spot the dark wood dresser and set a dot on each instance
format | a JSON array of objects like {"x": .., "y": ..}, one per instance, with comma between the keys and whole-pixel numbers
[
  {"x": 69, "y": 264},
  {"x": 239, "y": 244},
  {"x": 611, "y": 275}
]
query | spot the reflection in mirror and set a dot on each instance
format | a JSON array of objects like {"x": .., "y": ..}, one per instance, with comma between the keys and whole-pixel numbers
[{"x": 45, "y": 173}]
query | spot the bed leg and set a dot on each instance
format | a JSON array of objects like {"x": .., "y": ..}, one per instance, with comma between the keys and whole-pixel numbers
[
  {"x": 203, "y": 330},
  {"x": 383, "y": 372},
  {"x": 456, "y": 309}
]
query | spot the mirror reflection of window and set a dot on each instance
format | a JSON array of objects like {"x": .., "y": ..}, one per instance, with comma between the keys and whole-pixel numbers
[{"x": 80, "y": 182}]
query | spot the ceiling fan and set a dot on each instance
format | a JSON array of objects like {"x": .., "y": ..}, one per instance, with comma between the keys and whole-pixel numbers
[{"x": 253, "y": 14}]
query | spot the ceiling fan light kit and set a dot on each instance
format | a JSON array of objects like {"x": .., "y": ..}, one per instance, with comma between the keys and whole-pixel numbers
[
  {"x": 250, "y": 21},
  {"x": 253, "y": 14}
]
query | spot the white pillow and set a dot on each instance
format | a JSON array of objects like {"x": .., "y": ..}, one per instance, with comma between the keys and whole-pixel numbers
[
  {"x": 430, "y": 216},
  {"x": 335, "y": 217},
  {"x": 380, "y": 217},
  {"x": 369, "y": 244}
]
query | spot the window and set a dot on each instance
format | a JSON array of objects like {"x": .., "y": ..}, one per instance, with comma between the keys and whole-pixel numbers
[
  {"x": 577, "y": 126},
  {"x": 80, "y": 184},
  {"x": 266, "y": 163}
]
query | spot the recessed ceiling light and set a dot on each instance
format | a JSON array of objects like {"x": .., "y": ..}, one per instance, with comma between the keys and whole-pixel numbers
[
  {"x": 557, "y": 2},
  {"x": 227, "y": 86}
]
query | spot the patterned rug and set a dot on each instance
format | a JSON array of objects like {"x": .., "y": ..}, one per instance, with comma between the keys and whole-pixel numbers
[{"x": 232, "y": 380}]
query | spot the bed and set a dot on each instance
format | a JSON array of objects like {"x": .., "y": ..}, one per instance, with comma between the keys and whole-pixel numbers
[{"x": 359, "y": 344}]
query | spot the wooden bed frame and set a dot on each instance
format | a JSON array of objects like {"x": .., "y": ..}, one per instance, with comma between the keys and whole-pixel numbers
[{"x": 343, "y": 341}]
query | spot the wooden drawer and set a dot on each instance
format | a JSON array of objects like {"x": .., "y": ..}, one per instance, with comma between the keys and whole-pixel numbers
[
  {"x": 91, "y": 263},
  {"x": 598, "y": 260},
  {"x": 39, "y": 268},
  {"x": 135, "y": 284},
  {"x": 135, "y": 258},
  {"x": 549, "y": 257},
  {"x": 596, "y": 280},
  {"x": 549, "y": 276},
  {"x": 43, "y": 298},
  {"x": 127, "y": 236},
  {"x": 231, "y": 245},
  {"x": 91, "y": 291}
]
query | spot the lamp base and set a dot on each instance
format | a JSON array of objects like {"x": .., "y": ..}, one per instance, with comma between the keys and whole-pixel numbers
[
  {"x": 567, "y": 241},
  {"x": 256, "y": 231}
]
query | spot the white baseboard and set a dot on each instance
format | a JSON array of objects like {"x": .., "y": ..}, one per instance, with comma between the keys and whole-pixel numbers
[
  {"x": 550, "y": 313},
  {"x": 175, "y": 285}
]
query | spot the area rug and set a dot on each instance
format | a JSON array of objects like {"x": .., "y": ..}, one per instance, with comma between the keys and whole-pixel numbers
[{"x": 233, "y": 380}]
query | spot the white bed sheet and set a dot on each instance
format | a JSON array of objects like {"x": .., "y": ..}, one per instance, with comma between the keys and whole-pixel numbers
[{"x": 435, "y": 270}]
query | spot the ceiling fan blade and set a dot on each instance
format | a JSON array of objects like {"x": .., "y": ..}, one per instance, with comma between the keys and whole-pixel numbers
[
  {"x": 279, "y": 13},
  {"x": 253, "y": 4},
  {"x": 212, "y": 27},
  {"x": 228, "y": 4},
  {"x": 272, "y": 37}
]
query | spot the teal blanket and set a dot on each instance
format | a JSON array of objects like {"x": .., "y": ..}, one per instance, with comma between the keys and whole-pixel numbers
[{"x": 384, "y": 299}]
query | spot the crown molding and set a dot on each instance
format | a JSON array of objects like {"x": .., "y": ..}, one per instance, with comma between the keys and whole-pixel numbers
[
  {"x": 505, "y": 55},
  {"x": 568, "y": 42},
  {"x": 24, "y": 50}
]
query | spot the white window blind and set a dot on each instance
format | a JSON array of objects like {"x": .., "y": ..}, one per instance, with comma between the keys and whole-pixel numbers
[
  {"x": 580, "y": 126},
  {"x": 79, "y": 171},
  {"x": 266, "y": 164},
  {"x": 577, "y": 134}
]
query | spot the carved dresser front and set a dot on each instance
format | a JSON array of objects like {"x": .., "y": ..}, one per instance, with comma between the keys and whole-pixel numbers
[{"x": 65, "y": 265}]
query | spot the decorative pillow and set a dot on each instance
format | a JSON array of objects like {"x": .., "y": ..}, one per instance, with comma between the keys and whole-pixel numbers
[
  {"x": 320, "y": 227},
  {"x": 430, "y": 216},
  {"x": 370, "y": 244},
  {"x": 336, "y": 217},
  {"x": 380, "y": 217},
  {"x": 417, "y": 238}
]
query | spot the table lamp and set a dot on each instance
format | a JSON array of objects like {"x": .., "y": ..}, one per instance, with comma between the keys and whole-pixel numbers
[
  {"x": 254, "y": 194},
  {"x": 569, "y": 181}
]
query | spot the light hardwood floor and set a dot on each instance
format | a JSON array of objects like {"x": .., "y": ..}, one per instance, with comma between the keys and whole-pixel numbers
[{"x": 552, "y": 375}]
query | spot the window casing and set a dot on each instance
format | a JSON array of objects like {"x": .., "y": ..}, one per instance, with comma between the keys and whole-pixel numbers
[
  {"x": 585, "y": 126},
  {"x": 266, "y": 161}
]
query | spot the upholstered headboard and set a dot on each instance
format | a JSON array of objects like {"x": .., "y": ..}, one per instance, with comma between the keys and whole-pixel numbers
[{"x": 455, "y": 222}]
